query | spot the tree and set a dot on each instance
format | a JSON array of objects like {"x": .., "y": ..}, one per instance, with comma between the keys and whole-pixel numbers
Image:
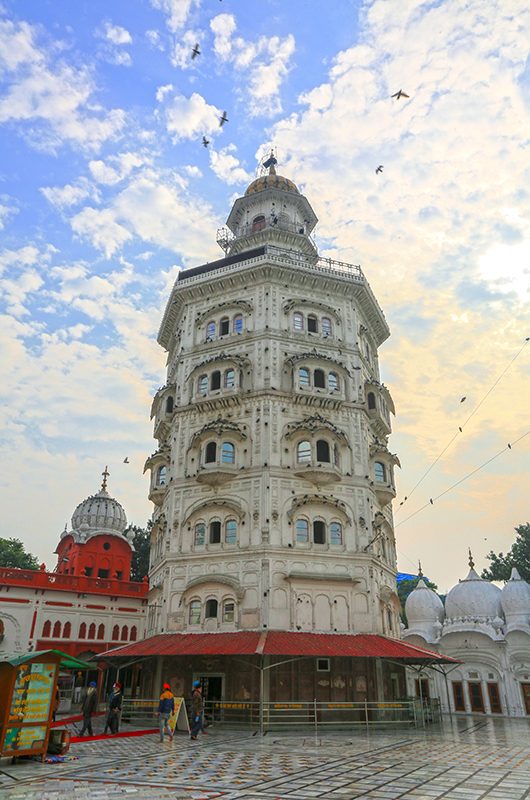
[
  {"x": 405, "y": 587},
  {"x": 140, "y": 559},
  {"x": 518, "y": 556},
  {"x": 13, "y": 554}
]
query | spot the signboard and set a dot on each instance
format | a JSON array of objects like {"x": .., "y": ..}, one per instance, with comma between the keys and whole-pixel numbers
[
  {"x": 30, "y": 704},
  {"x": 179, "y": 719}
]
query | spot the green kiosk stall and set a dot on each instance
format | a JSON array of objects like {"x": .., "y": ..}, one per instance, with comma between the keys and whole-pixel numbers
[{"x": 28, "y": 682}]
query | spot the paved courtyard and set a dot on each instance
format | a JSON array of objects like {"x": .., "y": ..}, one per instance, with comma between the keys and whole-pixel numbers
[{"x": 468, "y": 759}]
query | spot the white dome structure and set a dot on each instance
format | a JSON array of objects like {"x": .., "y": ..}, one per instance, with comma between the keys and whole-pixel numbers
[
  {"x": 425, "y": 612},
  {"x": 99, "y": 513},
  {"x": 515, "y": 602},
  {"x": 473, "y": 599}
]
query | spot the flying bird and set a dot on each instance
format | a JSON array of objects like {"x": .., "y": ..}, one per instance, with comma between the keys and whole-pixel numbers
[
  {"x": 205, "y": 141},
  {"x": 126, "y": 460},
  {"x": 196, "y": 51},
  {"x": 222, "y": 119},
  {"x": 379, "y": 169},
  {"x": 462, "y": 399},
  {"x": 399, "y": 94}
]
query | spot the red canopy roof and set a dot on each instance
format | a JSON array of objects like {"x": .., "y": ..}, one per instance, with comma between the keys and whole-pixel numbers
[{"x": 279, "y": 643}]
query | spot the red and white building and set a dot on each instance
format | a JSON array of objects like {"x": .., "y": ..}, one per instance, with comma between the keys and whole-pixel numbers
[{"x": 88, "y": 603}]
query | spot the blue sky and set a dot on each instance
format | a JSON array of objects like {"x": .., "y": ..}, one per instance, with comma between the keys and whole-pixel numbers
[{"x": 106, "y": 191}]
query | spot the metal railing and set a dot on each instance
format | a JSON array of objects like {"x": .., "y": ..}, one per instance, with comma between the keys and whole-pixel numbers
[{"x": 315, "y": 715}]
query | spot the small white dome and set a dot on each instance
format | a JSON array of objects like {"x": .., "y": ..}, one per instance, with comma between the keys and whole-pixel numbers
[
  {"x": 515, "y": 599},
  {"x": 99, "y": 513},
  {"x": 423, "y": 605},
  {"x": 473, "y": 598}
]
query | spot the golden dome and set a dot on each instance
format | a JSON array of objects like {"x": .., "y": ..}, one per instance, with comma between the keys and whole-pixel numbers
[{"x": 271, "y": 182}]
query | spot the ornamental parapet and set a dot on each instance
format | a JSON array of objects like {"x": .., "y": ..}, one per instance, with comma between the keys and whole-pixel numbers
[{"x": 38, "y": 579}]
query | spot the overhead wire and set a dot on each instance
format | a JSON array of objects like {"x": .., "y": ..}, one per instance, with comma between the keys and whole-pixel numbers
[{"x": 461, "y": 427}]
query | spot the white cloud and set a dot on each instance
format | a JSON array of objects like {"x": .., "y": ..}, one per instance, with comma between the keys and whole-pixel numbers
[
  {"x": 177, "y": 11},
  {"x": 42, "y": 90},
  {"x": 182, "y": 50},
  {"x": 264, "y": 63},
  {"x": 116, "y": 34},
  {"x": 227, "y": 167},
  {"x": 26, "y": 256},
  {"x": 156, "y": 207},
  {"x": 117, "y": 167},
  {"x": 70, "y": 194},
  {"x": 101, "y": 228},
  {"x": 506, "y": 269},
  {"x": 6, "y": 212},
  {"x": 192, "y": 171},
  {"x": 188, "y": 117},
  {"x": 153, "y": 37}
]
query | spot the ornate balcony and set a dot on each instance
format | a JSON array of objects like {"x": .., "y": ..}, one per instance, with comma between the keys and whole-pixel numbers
[{"x": 321, "y": 473}]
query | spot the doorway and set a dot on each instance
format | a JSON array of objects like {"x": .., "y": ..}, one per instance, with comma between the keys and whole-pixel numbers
[
  {"x": 495, "y": 698},
  {"x": 526, "y": 696},
  {"x": 476, "y": 700},
  {"x": 212, "y": 686}
]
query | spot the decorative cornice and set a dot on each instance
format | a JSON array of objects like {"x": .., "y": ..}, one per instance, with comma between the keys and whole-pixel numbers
[
  {"x": 215, "y": 503},
  {"x": 299, "y": 301},
  {"x": 320, "y": 499},
  {"x": 217, "y": 426},
  {"x": 319, "y": 576},
  {"x": 313, "y": 424},
  {"x": 313, "y": 354},
  {"x": 216, "y": 577},
  {"x": 244, "y": 305},
  {"x": 237, "y": 358}
]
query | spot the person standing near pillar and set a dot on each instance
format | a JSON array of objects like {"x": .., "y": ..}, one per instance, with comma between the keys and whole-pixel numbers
[
  {"x": 166, "y": 708},
  {"x": 89, "y": 707},
  {"x": 197, "y": 710},
  {"x": 114, "y": 708}
]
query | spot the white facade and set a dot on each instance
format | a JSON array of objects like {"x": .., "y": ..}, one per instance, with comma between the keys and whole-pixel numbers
[
  {"x": 272, "y": 478},
  {"x": 488, "y": 630}
]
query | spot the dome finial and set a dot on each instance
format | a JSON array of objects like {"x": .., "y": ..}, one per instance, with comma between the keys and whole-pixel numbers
[
  {"x": 420, "y": 572},
  {"x": 105, "y": 474},
  {"x": 270, "y": 163},
  {"x": 471, "y": 562}
]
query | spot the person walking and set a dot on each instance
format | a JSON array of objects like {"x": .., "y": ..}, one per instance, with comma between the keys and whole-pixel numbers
[
  {"x": 89, "y": 707},
  {"x": 166, "y": 707},
  {"x": 113, "y": 709},
  {"x": 197, "y": 710}
]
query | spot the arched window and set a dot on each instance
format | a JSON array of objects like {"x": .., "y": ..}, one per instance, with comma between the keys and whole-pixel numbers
[
  {"x": 326, "y": 326},
  {"x": 383, "y": 548},
  {"x": 303, "y": 377},
  {"x": 56, "y": 630},
  {"x": 215, "y": 381},
  {"x": 336, "y": 455},
  {"x": 335, "y": 533},
  {"x": 319, "y": 379},
  {"x": 224, "y": 327},
  {"x": 258, "y": 223},
  {"x": 323, "y": 450},
  {"x": 124, "y": 633},
  {"x": 302, "y": 530},
  {"x": 380, "y": 472},
  {"x": 238, "y": 323},
  {"x": 231, "y": 531},
  {"x": 134, "y": 634},
  {"x": 210, "y": 330},
  {"x": 389, "y": 619},
  {"x": 101, "y": 631},
  {"x": 303, "y": 452},
  {"x": 228, "y": 611},
  {"x": 115, "y": 633},
  {"x": 92, "y": 630},
  {"x": 228, "y": 453},
  {"x": 161, "y": 476},
  {"x": 211, "y": 609},
  {"x": 371, "y": 400},
  {"x": 169, "y": 405},
  {"x": 333, "y": 382},
  {"x": 202, "y": 384},
  {"x": 200, "y": 533},
  {"x": 67, "y": 630},
  {"x": 215, "y": 532},
  {"x": 195, "y": 612},
  {"x": 230, "y": 379},
  {"x": 210, "y": 453},
  {"x": 319, "y": 532},
  {"x": 298, "y": 321},
  {"x": 46, "y": 629},
  {"x": 312, "y": 324},
  {"x": 82, "y": 630}
]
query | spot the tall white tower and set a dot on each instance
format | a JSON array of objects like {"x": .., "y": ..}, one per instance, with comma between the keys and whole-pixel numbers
[{"x": 272, "y": 480}]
